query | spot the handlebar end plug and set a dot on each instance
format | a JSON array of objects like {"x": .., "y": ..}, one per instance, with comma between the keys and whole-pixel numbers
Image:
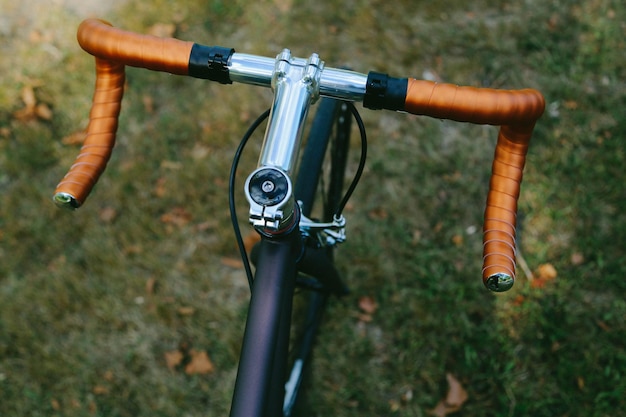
[
  {"x": 66, "y": 201},
  {"x": 499, "y": 282}
]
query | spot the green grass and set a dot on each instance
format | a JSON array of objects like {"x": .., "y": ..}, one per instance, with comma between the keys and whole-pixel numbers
[{"x": 80, "y": 334}]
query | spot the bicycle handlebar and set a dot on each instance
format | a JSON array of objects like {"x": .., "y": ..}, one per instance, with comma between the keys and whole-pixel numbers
[{"x": 515, "y": 111}]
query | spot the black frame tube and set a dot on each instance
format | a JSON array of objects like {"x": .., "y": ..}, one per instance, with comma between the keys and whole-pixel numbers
[{"x": 266, "y": 339}]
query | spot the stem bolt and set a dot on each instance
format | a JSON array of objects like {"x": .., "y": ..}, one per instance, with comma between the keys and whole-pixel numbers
[{"x": 268, "y": 186}]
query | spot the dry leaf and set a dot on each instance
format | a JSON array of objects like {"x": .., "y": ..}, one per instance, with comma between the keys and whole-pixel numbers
[
  {"x": 544, "y": 274},
  {"x": 108, "y": 214},
  {"x": 160, "y": 190},
  {"x": 55, "y": 404},
  {"x": 417, "y": 236},
  {"x": 519, "y": 300},
  {"x": 378, "y": 213},
  {"x": 28, "y": 97},
  {"x": 199, "y": 364},
  {"x": 234, "y": 263},
  {"x": 36, "y": 36},
  {"x": 173, "y": 359},
  {"x": 148, "y": 103},
  {"x": 162, "y": 30},
  {"x": 100, "y": 390},
  {"x": 603, "y": 325},
  {"x": 283, "y": 5},
  {"x": 133, "y": 249},
  {"x": 43, "y": 111},
  {"x": 546, "y": 271},
  {"x": 186, "y": 311},
  {"x": 151, "y": 286},
  {"x": 200, "y": 151},
  {"x": 76, "y": 138},
  {"x": 577, "y": 258},
  {"x": 252, "y": 239},
  {"x": 454, "y": 400},
  {"x": 32, "y": 109},
  {"x": 178, "y": 216},
  {"x": 368, "y": 304},
  {"x": 394, "y": 406}
]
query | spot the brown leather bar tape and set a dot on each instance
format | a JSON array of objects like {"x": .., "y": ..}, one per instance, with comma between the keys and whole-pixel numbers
[
  {"x": 516, "y": 112},
  {"x": 113, "y": 48}
]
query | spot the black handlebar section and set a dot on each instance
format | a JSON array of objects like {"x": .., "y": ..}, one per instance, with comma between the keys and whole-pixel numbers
[
  {"x": 385, "y": 92},
  {"x": 210, "y": 63}
]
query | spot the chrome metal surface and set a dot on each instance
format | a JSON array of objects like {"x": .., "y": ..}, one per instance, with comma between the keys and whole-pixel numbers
[
  {"x": 333, "y": 82},
  {"x": 500, "y": 282},
  {"x": 251, "y": 69},
  {"x": 343, "y": 84},
  {"x": 66, "y": 201},
  {"x": 297, "y": 83},
  {"x": 271, "y": 204},
  {"x": 328, "y": 234},
  {"x": 296, "y": 86}
]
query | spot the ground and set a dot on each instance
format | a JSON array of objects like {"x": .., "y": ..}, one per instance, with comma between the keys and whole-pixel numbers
[{"x": 134, "y": 304}]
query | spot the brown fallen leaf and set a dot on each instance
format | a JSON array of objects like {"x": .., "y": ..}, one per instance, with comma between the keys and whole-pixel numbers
[
  {"x": 235, "y": 263},
  {"x": 151, "y": 286},
  {"x": 76, "y": 138},
  {"x": 379, "y": 213},
  {"x": 107, "y": 214},
  {"x": 178, "y": 216},
  {"x": 186, "y": 311},
  {"x": 455, "y": 398},
  {"x": 162, "y": 30},
  {"x": 367, "y": 307},
  {"x": 28, "y": 112},
  {"x": 32, "y": 109},
  {"x": 173, "y": 359},
  {"x": 28, "y": 96},
  {"x": 108, "y": 376},
  {"x": 250, "y": 240},
  {"x": 283, "y": 5},
  {"x": 577, "y": 258},
  {"x": 160, "y": 188},
  {"x": 148, "y": 103},
  {"x": 55, "y": 404},
  {"x": 367, "y": 304},
  {"x": 43, "y": 111},
  {"x": 100, "y": 390},
  {"x": 200, "y": 363},
  {"x": 544, "y": 274}
]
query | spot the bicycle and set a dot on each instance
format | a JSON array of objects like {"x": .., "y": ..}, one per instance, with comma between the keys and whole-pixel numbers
[{"x": 295, "y": 249}]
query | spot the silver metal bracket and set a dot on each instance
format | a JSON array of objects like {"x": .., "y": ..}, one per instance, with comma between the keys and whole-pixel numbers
[
  {"x": 328, "y": 234},
  {"x": 270, "y": 194}
]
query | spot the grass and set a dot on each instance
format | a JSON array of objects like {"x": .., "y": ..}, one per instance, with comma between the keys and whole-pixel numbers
[{"x": 91, "y": 302}]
